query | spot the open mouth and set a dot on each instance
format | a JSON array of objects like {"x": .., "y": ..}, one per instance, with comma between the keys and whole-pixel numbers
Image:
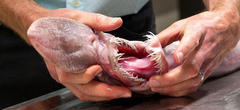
[{"x": 137, "y": 62}]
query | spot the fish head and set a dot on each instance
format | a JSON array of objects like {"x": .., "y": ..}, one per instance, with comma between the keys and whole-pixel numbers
[
  {"x": 64, "y": 42},
  {"x": 73, "y": 47}
]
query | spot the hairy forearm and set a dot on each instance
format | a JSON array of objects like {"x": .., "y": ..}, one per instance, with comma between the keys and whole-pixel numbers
[
  {"x": 19, "y": 14},
  {"x": 227, "y": 9},
  {"x": 222, "y": 4}
]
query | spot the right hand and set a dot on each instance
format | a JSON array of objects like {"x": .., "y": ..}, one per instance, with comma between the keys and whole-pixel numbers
[{"x": 82, "y": 84}]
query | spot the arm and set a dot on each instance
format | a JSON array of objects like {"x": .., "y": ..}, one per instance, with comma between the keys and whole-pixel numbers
[
  {"x": 221, "y": 4},
  {"x": 19, "y": 15},
  {"x": 205, "y": 39}
]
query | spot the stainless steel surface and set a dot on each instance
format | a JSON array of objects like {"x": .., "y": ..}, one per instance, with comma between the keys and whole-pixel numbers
[{"x": 222, "y": 93}]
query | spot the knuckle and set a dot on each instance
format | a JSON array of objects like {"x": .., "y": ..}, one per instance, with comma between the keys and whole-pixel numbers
[
  {"x": 74, "y": 16},
  {"x": 193, "y": 71},
  {"x": 175, "y": 24},
  {"x": 220, "y": 23},
  {"x": 196, "y": 83},
  {"x": 99, "y": 18},
  {"x": 62, "y": 78},
  {"x": 187, "y": 47},
  {"x": 196, "y": 43}
]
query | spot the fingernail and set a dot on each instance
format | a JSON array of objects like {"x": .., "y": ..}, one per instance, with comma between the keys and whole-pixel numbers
[
  {"x": 179, "y": 57},
  {"x": 154, "y": 83},
  {"x": 98, "y": 69},
  {"x": 126, "y": 95}
]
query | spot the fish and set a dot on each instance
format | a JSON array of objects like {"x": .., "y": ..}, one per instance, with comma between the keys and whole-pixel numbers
[{"x": 73, "y": 47}]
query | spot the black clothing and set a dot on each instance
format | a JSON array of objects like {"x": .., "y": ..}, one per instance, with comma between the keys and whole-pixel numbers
[{"x": 140, "y": 23}]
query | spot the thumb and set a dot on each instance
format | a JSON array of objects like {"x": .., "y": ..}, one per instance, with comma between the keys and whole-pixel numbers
[{"x": 101, "y": 22}]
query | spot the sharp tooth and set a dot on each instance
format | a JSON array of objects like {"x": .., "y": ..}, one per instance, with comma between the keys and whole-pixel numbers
[
  {"x": 128, "y": 75},
  {"x": 150, "y": 38},
  {"x": 120, "y": 54},
  {"x": 123, "y": 59}
]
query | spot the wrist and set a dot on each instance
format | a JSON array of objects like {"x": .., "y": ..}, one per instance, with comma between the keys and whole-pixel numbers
[
  {"x": 228, "y": 11},
  {"x": 28, "y": 15},
  {"x": 19, "y": 14}
]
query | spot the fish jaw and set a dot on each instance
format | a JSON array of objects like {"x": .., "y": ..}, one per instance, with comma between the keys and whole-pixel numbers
[{"x": 129, "y": 63}]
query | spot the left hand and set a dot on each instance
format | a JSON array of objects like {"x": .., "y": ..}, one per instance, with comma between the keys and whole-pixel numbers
[{"x": 206, "y": 38}]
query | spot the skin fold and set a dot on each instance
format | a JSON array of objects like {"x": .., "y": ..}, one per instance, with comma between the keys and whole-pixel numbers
[{"x": 73, "y": 47}]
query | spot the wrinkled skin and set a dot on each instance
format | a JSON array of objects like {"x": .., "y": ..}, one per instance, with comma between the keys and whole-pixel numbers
[
  {"x": 73, "y": 47},
  {"x": 205, "y": 40}
]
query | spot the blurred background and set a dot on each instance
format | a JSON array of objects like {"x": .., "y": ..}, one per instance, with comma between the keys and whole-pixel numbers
[{"x": 169, "y": 11}]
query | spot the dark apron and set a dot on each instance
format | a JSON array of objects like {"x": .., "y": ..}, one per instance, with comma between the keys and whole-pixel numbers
[{"x": 23, "y": 74}]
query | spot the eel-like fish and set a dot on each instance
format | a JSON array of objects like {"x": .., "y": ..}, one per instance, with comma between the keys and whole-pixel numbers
[{"x": 73, "y": 47}]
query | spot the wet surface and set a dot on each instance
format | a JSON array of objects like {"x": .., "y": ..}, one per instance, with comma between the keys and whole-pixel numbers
[{"x": 222, "y": 93}]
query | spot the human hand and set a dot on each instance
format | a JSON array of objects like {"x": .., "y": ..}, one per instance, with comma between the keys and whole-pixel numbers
[
  {"x": 205, "y": 39},
  {"x": 82, "y": 84}
]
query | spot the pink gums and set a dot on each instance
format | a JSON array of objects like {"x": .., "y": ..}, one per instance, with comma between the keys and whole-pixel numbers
[
  {"x": 141, "y": 67},
  {"x": 137, "y": 63}
]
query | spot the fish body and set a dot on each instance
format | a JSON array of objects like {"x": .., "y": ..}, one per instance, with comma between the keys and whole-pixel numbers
[{"x": 73, "y": 47}]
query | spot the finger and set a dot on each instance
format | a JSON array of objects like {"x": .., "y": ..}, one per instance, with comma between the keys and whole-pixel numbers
[
  {"x": 51, "y": 69},
  {"x": 185, "y": 85},
  {"x": 182, "y": 92},
  {"x": 170, "y": 34},
  {"x": 101, "y": 22},
  {"x": 206, "y": 57},
  {"x": 188, "y": 43},
  {"x": 99, "y": 89},
  {"x": 214, "y": 63},
  {"x": 183, "y": 72},
  {"x": 79, "y": 78},
  {"x": 73, "y": 88}
]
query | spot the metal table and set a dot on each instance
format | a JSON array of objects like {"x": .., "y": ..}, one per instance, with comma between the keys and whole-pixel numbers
[{"x": 222, "y": 93}]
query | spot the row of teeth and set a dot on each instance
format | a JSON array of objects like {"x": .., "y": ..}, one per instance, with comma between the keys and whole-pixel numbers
[
  {"x": 130, "y": 76},
  {"x": 153, "y": 56},
  {"x": 127, "y": 75},
  {"x": 156, "y": 58},
  {"x": 150, "y": 38},
  {"x": 123, "y": 42}
]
